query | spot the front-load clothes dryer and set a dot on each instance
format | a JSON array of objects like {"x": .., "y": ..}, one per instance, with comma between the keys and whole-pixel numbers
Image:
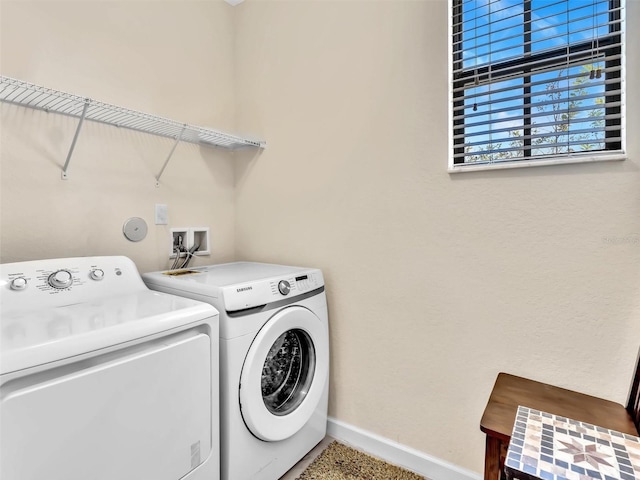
[
  {"x": 102, "y": 378},
  {"x": 274, "y": 360}
]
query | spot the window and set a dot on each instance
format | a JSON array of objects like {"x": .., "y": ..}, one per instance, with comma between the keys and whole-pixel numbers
[{"x": 535, "y": 80}]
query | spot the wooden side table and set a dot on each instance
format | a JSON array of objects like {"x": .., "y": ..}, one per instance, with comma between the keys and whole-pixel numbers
[
  {"x": 511, "y": 391},
  {"x": 551, "y": 447}
]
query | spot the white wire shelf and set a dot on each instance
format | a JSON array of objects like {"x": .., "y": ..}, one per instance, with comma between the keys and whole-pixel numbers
[{"x": 41, "y": 98}]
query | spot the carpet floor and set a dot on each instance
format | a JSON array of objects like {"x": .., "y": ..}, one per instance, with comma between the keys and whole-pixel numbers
[{"x": 339, "y": 462}]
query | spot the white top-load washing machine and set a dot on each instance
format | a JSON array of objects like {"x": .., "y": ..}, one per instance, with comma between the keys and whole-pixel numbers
[
  {"x": 274, "y": 360},
  {"x": 102, "y": 378}
]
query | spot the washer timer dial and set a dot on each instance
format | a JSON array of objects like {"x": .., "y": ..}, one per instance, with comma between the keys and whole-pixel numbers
[
  {"x": 284, "y": 287},
  {"x": 60, "y": 279}
]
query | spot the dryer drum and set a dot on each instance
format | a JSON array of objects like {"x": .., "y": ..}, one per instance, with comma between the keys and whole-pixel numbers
[{"x": 287, "y": 372}]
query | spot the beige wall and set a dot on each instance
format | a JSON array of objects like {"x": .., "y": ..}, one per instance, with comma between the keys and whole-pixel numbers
[
  {"x": 436, "y": 282},
  {"x": 173, "y": 59}
]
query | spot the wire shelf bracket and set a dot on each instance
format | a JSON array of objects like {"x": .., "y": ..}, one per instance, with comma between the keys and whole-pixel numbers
[
  {"x": 75, "y": 139},
  {"x": 26, "y": 94},
  {"x": 166, "y": 162}
]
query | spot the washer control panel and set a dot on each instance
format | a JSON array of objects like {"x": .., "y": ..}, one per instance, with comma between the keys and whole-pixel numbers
[
  {"x": 262, "y": 292},
  {"x": 294, "y": 285},
  {"x": 50, "y": 283}
]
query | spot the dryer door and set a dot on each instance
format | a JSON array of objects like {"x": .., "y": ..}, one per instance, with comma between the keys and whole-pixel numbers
[
  {"x": 284, "y": 374},
  {"x": 140, "y": 414}
]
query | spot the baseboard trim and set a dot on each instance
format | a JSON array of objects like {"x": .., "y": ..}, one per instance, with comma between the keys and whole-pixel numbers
[{"x": 398, "y": 454}]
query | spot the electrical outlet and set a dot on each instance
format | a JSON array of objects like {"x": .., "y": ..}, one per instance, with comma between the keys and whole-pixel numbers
[{"x": 162, "y": 214}]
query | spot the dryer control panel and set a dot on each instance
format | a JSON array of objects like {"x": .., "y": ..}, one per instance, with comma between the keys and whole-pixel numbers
[{"x": 57, "y": 282}]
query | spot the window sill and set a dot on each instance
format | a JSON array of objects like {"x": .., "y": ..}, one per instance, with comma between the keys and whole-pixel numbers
[{"x": 578, "y": 158}]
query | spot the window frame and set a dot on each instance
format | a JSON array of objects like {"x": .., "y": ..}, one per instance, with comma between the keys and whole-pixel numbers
[{"x": 614, "y": 45}]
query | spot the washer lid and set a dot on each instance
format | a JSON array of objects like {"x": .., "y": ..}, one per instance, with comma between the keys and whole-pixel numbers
[
  {"x": 239, "y": 285},
  {"x": 226, "y": 274},
  {"x": 209, "y": 280},
  {"x": 31, "y": 337}
]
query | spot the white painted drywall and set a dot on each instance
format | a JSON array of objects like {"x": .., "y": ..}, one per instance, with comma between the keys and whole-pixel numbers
[
  {"x": 173, "y": 59},
  {"x": 436, "y": 282}
]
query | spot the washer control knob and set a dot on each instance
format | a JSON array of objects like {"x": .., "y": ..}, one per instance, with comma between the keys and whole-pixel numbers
[
  {"x": 19, "y": 283},
  {"x": 284, "y": 287},
  {"x": 96, "y": 274},
  {"x": 60, "y": 279}
]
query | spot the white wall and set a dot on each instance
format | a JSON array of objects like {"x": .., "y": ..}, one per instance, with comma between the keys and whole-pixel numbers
[
  {"x": 436, "y": 282},
  {"x": 173, "y": 59}
]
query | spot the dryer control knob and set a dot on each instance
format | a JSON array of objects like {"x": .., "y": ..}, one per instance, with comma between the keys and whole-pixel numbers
[
  {"x": 96, "y": 274},
  {"x": 284, "y": 287},
  {"x": 19, "y": 283},
  {"x": 60, "y": 279}
]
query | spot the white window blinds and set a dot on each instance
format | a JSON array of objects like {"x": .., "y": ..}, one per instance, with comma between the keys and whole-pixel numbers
[{"x": 535, "y": 78}]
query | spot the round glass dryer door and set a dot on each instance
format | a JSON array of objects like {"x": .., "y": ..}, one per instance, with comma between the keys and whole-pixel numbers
[{"x": 284, "y": 374}]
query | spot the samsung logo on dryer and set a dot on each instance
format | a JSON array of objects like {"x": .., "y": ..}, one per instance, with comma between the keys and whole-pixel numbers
[{"x": 244, "y": 289}]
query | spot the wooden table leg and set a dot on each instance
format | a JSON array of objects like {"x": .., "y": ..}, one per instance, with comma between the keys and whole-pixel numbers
[{"x": 492, "y": 459}]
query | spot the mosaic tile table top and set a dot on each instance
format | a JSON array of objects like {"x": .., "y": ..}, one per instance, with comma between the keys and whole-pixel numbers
[{"x": 549, "y": 447}]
